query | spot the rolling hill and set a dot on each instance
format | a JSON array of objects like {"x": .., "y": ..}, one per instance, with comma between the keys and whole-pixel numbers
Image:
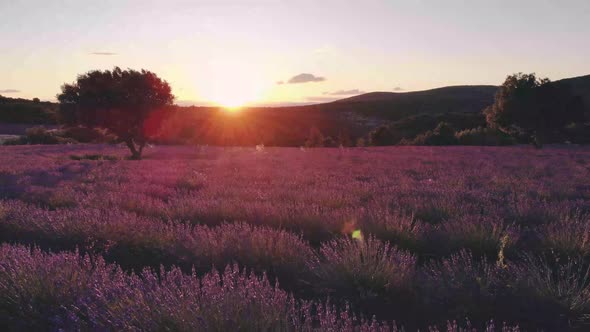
[
  {"x": 456, "y": 99},
  {"x": 397, "y": 105},
  {"x": 351, "y": 117},
  {"x": 459, "y": 93},
  {"x": 581, "y": 87}
]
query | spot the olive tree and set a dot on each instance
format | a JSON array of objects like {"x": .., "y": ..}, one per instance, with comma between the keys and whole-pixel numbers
[{"x": 119, "y": 100}]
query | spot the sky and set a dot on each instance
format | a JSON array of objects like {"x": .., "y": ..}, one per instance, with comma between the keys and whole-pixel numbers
[{"x": 271, "y": 52}]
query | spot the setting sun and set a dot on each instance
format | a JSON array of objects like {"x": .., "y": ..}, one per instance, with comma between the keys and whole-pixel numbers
[
  {"x": 233, "y": 84},
  {"x": 232, "y": 108}
]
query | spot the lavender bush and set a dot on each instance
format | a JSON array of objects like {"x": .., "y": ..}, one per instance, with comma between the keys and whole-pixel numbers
[
  {"x": 66, "y": 291},
  {"x": 416, "y": 235},
  {"x": 555, "y": 287},
  {"x": 364, "y": 267}
]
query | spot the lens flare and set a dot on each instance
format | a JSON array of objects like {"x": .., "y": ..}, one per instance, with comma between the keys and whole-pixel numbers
[{"x": 357, "y": 235}]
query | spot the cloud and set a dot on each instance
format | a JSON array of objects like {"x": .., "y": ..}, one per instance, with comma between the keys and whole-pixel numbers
[
  {"x": 280, "y": 83},
  {"x": 10, "y": 91},
  {"x": 305, "y": 78},
  {"x": 103, "y": 53},
  {"x": 345, "y": 92},
  {"x": 397, "y": 88}
]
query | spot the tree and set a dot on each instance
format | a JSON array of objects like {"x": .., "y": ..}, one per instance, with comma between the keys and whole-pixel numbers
[
  {"x": 526, "y": 105},
  {"x": 119, "y": 100},
  {"x": 382, "y": 136},
  {"x": 443, "y": 134},
  {"x": 315, "y": 138}
]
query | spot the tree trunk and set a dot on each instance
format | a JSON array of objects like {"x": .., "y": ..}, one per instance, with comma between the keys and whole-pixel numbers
[
  {"x": 135, "y": 154},
  {"x": 141, "y": 146}
]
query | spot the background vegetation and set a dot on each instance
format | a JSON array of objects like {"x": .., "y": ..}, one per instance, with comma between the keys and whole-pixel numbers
[{"x": 372, "y": 119}]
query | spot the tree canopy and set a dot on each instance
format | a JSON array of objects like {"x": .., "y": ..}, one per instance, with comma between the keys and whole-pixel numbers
[
  {"x": 119, "y": 100},
  {"x": 527, "y": 105}
]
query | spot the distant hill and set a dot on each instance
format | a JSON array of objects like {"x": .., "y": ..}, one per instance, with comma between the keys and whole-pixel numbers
[
  {"x": 581, "y": 86},
  {"x": 397, "y": 105},
  {"x": 457, "y": 99},
  {"x": 450, "y": 93}
]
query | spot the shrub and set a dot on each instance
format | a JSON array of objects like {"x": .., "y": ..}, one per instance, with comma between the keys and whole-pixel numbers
[
  {"x": 402, "y": 229},
  {"x": 66, "y": 291},
  {"x": 412, "y": 126},
  {"x": 460, "y": 286},
  {"x": 22, "y": 140},
  {"x": 363, "y": 268},
  {"x": 40, "y": 135},
  {"x": 361, "y": 142},
  {"x": 72, "y": 135},
  {"x": 315, "y": 138},
  {"x": 443, "y": 134},
  {"x": 570, "y": 235},
  {"x": 383, "y": 135},
  {"x": 480, "y": 234},
  {"x": 88, "y": 135},
  {"x": 553, "y": 290},
  {"x": 280, "y": 253},
  {"x": 483, "y": 136},
  {"x": 138, "y": 242}
]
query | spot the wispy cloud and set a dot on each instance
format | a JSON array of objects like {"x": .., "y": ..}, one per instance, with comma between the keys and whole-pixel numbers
[
  {"x": 10, "y": 91},
  {"x": 345, "y": 92},
  {"x": 397, "y": 88},
  {"x": 304, "y": 78},
  {"x": 103, "y": 53}
]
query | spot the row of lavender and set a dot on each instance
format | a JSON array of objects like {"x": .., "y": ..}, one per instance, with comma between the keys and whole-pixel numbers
[
  {"x": 40, "y": 291},
  {"x": 371, "y": 274},
  {"x": 438, "y": 233}
]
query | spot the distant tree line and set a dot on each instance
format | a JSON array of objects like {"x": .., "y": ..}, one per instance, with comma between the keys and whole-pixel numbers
[
  {"x": 135, "y": 107},
  {"x": 18, "y": 110},
  {"x": 526, "y": 109}
]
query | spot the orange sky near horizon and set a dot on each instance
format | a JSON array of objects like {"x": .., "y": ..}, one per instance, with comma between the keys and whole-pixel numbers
[{"x": 236, "y": 52}]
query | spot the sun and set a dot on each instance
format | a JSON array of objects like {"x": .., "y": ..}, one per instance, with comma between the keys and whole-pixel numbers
[
  {"x": 232, "y": 84},
  {"x": 233, "y": 108},
  {"x": 230, "y": 94},
  {"x": 232, "y": 102}
]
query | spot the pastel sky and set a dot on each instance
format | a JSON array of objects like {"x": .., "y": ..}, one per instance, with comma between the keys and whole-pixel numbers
[{"x": 234, "y": 52}]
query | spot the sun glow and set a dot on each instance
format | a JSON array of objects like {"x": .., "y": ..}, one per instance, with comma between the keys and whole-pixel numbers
[{"x": 235, "y": 84}]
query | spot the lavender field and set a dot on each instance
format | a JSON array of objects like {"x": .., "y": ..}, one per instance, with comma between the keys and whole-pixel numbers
[{"x": 288, "y": 239}]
